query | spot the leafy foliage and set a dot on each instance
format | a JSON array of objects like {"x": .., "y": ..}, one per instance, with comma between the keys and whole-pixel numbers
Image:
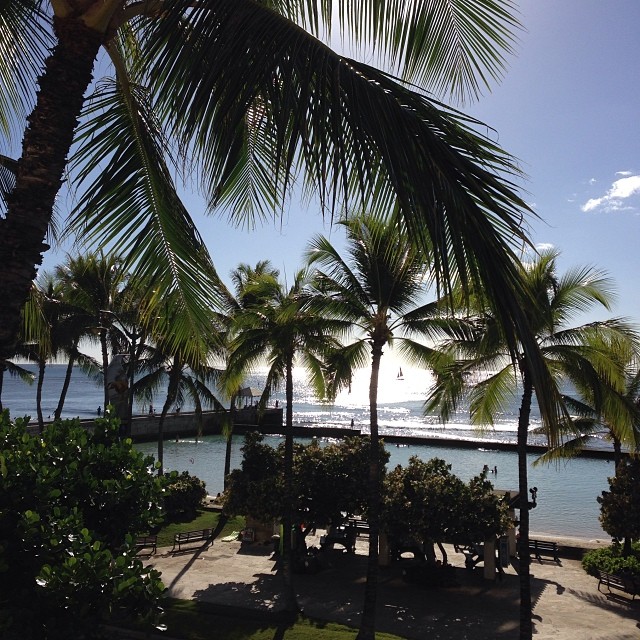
[
  {"x": 620, "y": 506},
  {"x": 327, "y": 481},
  {"x": 612, "y": 560},
  {"x": 183, "y": 496},
  {"x": 70, "y": 504},
  {"x": 426, "y": 502}
]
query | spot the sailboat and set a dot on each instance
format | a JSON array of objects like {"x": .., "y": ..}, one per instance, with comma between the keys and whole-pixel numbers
[{"x": 400, "y": 376}]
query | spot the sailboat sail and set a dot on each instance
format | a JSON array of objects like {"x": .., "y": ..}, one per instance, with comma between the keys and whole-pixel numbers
[{"x": 400, "y": 376}]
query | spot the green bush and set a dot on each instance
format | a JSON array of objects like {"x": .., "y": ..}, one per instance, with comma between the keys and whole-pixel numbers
[
  {"x": 611, "y": 560},
  {"x": 183, "y": 496}
]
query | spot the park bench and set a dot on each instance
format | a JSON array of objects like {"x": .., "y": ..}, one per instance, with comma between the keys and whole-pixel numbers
[
  {"x": 541, "y": 548},
  {"x": 189, "y": 537},
  {"x": 361, "y": 526},
  {"x": 147, "y": 542},
  {"x": 627, "y": 584}
]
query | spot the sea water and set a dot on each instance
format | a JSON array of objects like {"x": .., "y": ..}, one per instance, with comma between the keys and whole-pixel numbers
[{"x": 567, "y": 490}]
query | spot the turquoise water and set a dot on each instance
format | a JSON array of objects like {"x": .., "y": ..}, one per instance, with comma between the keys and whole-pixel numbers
[{"x": 566, "y": 492}]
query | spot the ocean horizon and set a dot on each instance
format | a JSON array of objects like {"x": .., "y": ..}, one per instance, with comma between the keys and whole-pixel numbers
[{"x": 567, "y": 490}]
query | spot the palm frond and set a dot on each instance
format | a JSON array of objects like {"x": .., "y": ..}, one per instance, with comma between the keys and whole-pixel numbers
[{"x": 143, "y": 216}]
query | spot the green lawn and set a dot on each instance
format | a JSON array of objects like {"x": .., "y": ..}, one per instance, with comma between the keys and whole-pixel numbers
[
  {"x": 205, "y": 520},
  {"x": 190, "y": 620}
]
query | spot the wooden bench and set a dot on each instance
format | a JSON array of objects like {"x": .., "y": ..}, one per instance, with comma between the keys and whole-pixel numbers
[
  {"x": 541, "y": 548},
  {"x": 147, "y": 542},
  {"x": 627, "y": 584},
  {"x": 361, "y": 526},
  {"x": 189, "y": 537}
]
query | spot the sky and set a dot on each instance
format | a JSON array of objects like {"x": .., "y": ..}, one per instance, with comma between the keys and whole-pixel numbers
[{"x": 568, "y": 108}]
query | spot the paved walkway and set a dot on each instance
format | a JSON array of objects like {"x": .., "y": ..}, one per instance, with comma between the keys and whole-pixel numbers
[{"x": 567, "y": 603}]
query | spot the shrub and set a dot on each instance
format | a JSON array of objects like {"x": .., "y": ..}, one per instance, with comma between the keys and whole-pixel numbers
[
  {"x": 612, "y": 560},
  {"x": 183, "y": 496}
]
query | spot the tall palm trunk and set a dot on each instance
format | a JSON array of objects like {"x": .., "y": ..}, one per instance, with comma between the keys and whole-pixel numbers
[
  {"x": 524, "y": 557},
  {"x": 46, "y": 143},
  {"x": 3, "y": 368},
  {"x": 65, "y": 384},
  {"x": 172, "y": 392},
  {"x": 229, "y": 437},
  {"x": 367, "y": 629},
  {"x": 105, "y": 362},
  {"x": 42, "y": 364},
  {"x": 290, "y": 602}
]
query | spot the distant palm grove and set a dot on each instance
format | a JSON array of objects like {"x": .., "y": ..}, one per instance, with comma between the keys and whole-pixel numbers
[{"x": 122, "y": 105}]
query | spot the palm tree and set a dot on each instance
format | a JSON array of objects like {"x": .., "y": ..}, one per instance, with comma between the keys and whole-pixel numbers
[
  {"x": 282, "y": 329},
  {"x": 609, "y": 413},
  {"x": 570, "y": 353},
  {"x": 376, "y": 290},
  {"x": 94, "y": 285},
  {"x": 244, "y": 279},
  {"x": 252, "y": 98}
]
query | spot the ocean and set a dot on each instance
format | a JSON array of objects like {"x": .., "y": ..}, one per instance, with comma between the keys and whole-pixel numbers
[{"x": 567, "y": 491}]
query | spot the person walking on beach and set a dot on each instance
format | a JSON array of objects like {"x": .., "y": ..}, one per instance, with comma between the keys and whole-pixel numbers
[{"x": 99, "y": 411}]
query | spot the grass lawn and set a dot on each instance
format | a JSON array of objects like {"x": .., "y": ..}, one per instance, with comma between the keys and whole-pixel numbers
[
  {"x": 191, "y": 620},
  {"x": 205, "y": 520}
]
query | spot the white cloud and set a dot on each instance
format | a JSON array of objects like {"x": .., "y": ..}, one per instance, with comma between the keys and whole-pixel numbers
[
  {"x": 592, "y": 181},
  {"x": 618, "y": 195},
  {"x": 544, "y": 246}
]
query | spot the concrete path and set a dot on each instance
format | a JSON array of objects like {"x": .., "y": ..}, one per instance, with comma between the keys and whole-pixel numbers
[{"x": 567, "y": 603}]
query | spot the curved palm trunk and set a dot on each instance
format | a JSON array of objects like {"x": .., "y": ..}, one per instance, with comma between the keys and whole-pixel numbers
[
  {"x": 367, "y": 629},
  {"x": 524, "y": 557},
  {"x": 290, "y": 602},
  {"x": 65, "y": 385},
  {"x": 41, "y": 369},
  {"x": 46, "y": 143}
]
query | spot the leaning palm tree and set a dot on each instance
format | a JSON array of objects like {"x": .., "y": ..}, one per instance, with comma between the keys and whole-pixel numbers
[
  {"x": 570, "y": 353},
  {"x": 248, "y": 94},
  {"x": 377, "y": 289},
  {"x": 282, "y": 330}
]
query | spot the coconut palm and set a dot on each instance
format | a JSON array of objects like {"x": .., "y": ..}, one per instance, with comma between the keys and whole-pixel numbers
[
  {"x": 251, "y": 97},
  {"x": 376, "y": 289},
  {"x": 94, "y": 284},
  {"x": 281, "y": 330},
  {"x": 244, "y": 278},
  {"x": 606, "y": 413},
  {"x": 570, "y": 353}
]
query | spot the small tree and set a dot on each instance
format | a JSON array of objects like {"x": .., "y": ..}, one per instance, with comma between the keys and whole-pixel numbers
[
  {"x": 620, "y": 506},
  {"x": 71, "y": 502}
]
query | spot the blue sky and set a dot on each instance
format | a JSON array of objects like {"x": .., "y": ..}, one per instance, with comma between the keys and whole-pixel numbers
[{"x": 568, "y": 109}]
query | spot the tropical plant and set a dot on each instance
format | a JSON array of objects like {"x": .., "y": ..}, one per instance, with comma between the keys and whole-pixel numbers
[
  {"x": 570, "y": 353},
  {"x": 620, "y": 506},
  {"x": 251, "y": 98},
  {"x": 376, "y": 289},
  {"x": 72, "y": 503},
  {"x": 282, "y": 330},
  {"x": 184, "y": 495},
  {"x": 94, "y": 283},
  {"x": 609, "y": 414}
]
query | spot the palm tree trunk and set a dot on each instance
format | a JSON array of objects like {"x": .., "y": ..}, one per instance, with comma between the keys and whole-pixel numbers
[
  {"x": 3, "y": 368},
  {"x": 172, "y": 391},
  {"x": 105, "y": 362},
  {"x": 367, "y": 629},
  {"x": 65, "y": 385},
  {"x": 526, "y": 630},
  {"x": 229, "y": 436},
  {"x": 290, "y": 602},
  {"x": 46, "y": 143},
  {"x": 41, "y": 369}
]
